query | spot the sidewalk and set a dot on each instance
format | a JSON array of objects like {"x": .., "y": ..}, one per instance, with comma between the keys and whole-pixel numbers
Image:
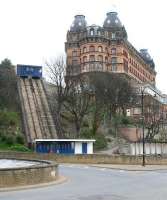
[{"x": 131, "y": 167}]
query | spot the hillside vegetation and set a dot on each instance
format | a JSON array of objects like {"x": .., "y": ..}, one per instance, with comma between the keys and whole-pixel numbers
[{"x": 10, "y": 118}]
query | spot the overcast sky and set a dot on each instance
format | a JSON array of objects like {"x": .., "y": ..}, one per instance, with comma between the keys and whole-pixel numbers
[{"x": 35, "y": 30}]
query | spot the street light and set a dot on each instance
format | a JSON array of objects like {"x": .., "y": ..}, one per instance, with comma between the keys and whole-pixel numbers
[{"x": 142, "y": 104}]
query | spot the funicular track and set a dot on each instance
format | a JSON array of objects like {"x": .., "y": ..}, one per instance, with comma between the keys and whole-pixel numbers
[
  {"x": 48, "y": 113},
  {"x": 37, "y": 118}
]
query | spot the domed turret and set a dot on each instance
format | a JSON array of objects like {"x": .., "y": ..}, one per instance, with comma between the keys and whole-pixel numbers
[
  {"x": 112, "y": 20},
  {"x": 144, "y": 53},
  {"x": 146, "y": 56},
  {"x": 79, "y": 23}
]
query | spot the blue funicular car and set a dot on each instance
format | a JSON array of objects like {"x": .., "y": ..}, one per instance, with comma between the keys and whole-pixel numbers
[{"x": 26, "y": 71}]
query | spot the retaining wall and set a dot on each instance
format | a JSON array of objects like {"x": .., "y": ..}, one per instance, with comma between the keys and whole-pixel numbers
[
  {"x": 89, "y": 159},
  {"x": 44, "y": 172}
]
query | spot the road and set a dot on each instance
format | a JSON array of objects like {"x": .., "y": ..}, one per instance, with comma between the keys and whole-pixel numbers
[{"x": 91, "y": 183}]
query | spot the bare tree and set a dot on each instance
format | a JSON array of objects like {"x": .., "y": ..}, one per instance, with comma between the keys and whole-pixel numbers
[
  {"x": 113, "y": 92},
  {"x": 78, "y": 101},
  {"x": 57, "y": 70},
  {"x": 152, "y": 115}
]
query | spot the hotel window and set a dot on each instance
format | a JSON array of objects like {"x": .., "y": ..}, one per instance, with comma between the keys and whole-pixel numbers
[
  {"x": 113, "y": 51},
  {"x": 113, "y": 35},
  {"x": 100, "y": 49},
  {"x": 85, "y": 59},
  {"x": 113, "y": 60},
  {"x": 91, "y": 48},
  {"x": 100, "y": 58},
  {"x": 106, "y": 59},
  {"x": 98, "y": 32},
  {"x": 106, "y": 49},
  {"x": 84, "y": 49},
  {"x": 125, "y": 65},
  {"x": 92, "y": 32},
  {"x": 74, "y": 53},
  {"x": 91, "y": 58}
]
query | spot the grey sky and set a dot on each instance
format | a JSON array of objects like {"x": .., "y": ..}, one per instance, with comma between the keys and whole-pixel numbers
[{"x": 35, "y": 30}]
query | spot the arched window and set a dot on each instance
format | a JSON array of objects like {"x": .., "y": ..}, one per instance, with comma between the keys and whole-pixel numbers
[
  {"x": 85, "y": 59},
  {"x": 84, "y": 50},
  {"x": 98, "y": 32},
  {"x": 106, "y": 49},
  {"x": 91, "y": 58},
  {"x": 91, "y": 31},
  {"x": 113, "y": 51},
  {"x": 100, "y": 58},
  {"x": 106, "y": 59},
  {"x": 113, "y": 35},
  {"x": 100, "y": 49},
  {"x": 91, "y": 48},
  {"x": 113, "y": 60}
]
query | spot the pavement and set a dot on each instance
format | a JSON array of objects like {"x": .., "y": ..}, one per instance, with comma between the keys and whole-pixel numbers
[{"x": 131, "y": 167}]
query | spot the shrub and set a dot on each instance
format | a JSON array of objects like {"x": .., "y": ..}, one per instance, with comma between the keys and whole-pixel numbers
[
  {"x": 19, "y": 139},
  {"x": 19, "y": 147},
  {"x": 10, "y": 139},
  {"x": 101, "y": 142},
  {"x": 3, "y": 138},
  {"x": 9, "y": 118}
]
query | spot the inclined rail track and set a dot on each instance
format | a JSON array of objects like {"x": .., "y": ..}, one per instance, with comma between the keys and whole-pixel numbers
[
  {"x": 48, "y": 114},
  {"x": 37, "y": 117}
]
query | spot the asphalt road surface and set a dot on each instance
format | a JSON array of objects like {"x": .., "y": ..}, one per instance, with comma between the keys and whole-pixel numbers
[{"x": 90, "y": 183}]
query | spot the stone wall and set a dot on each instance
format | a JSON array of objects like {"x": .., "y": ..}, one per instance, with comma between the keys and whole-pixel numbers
[
  {"x": 90, "y": 159},
  {"x": 45, "y": 172}
]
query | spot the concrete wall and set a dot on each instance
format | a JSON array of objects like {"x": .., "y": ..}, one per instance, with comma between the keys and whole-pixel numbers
[
  {"x": 41, "y": 173},
  {"x": 78, "y": 147},
  {"x": 150, "y": 148},
  {"x": 90, "y": 147}
]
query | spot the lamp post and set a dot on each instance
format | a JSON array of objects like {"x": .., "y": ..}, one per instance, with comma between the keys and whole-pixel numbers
[{"x": 142, "y": 104}]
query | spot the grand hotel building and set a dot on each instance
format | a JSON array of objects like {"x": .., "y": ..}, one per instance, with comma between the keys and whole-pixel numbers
[{"x": 106, "y": 49}]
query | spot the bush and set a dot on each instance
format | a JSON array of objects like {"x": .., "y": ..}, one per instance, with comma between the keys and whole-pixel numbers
[
  {"x": 3, "y": 138},
  {"x": 9, "y": 118},
  {"x": 101, "y": 142},
  {"x": 10, "y": 139},
  {"x": 19, "y": 139},
  {"x": 19, "y": 147}
]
